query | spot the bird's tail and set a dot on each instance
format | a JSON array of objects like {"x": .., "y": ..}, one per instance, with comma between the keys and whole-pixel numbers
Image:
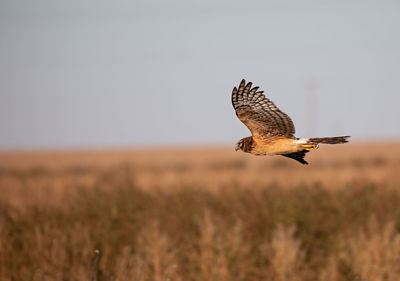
[
  {"x": 311, "y": 144},
  {"x": 328, "y": 140}
]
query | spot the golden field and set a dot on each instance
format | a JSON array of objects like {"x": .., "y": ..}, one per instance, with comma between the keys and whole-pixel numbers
[{"x": 201, "y": 214}]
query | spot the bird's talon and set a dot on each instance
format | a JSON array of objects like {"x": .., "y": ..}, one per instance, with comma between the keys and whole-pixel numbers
[{"x": 310, "y": 147}]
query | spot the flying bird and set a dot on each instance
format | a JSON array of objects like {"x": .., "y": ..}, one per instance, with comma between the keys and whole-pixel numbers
[{"x": 272, "y": 130}]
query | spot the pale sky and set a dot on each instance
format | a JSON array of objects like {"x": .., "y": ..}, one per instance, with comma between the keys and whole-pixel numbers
[{"x": 139, "y": 73}]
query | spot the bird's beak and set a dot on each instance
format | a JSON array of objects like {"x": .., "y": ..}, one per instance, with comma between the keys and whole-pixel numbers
[{"x": 237, "y": 147}]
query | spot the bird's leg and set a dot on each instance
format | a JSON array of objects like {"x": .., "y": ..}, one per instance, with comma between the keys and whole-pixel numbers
[{"x": 310, "y": 146}]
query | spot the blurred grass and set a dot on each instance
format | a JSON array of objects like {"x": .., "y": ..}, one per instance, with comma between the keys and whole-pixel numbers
[
  {"x": 239, "y": 231},
  {"x": 61, "y": 238}
]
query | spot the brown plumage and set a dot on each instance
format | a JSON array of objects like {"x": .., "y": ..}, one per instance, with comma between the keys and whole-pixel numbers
[{"x": 272, "y": 130}]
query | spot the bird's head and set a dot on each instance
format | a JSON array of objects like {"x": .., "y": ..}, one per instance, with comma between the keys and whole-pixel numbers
[
  {"x": 244, "y": 144},
  {"x": 239, "y": 145}
]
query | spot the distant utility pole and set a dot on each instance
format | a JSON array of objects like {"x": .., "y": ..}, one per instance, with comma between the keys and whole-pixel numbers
[{"x": 311, "y": 108}]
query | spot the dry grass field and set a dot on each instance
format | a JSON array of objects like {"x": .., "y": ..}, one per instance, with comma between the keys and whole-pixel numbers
[{"x": 201, "y": 214}]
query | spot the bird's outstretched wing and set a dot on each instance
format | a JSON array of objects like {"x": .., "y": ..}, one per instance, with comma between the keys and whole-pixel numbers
[{"x": 259, "y": 114}]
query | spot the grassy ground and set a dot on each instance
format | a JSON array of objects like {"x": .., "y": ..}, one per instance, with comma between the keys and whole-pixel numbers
[{"x": 201, "y": 214}]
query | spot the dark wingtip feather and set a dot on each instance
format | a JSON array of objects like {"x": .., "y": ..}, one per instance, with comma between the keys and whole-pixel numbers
[
  {"x": 298, "y": 156},
  {"x": 301, "y": 160}
]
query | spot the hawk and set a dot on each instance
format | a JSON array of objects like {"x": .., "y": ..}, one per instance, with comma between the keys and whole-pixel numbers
[{"x": 272, "y": 130}]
